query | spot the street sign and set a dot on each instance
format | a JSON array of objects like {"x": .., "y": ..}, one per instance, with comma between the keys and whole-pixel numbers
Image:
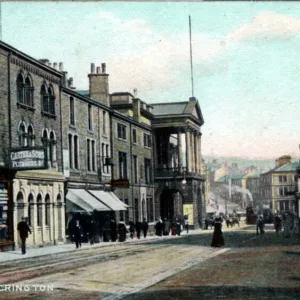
[{"x": 120, "y": 183}]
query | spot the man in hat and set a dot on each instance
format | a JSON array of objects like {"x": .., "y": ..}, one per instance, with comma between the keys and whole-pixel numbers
[{"x": 23, "y": 229}]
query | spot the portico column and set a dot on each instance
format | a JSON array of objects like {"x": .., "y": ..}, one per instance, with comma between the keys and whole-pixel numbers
[
  {"x": 196, "y": 152},
  {"x": 180, "y": 154},
  {"x": 187, "y": 150}
]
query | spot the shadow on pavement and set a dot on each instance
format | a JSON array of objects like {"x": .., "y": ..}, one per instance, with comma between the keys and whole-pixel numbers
[{"x": 218, "y": 292}]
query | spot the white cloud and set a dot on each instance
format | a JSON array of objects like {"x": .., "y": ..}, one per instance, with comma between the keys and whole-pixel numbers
[{"x": 267, "y": 26}]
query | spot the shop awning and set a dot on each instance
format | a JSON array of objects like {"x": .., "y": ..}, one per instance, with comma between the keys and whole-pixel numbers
[
  {"x": 109, "y": 199},
  {"x": 81, "y": 198}
]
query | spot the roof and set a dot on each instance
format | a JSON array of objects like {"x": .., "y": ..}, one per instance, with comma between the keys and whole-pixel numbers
[
  {"x": 83, "y": 92},
  {"x": 169, "y": 108},
  {"x": 222, "y": 179},
  {"x": 291, "y": 167}
]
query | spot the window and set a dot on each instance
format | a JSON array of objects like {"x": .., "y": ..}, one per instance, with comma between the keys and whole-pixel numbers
[
  {"x": 104, "y": 122},
  {"x": 70, "y": 140},
  {"x": 126, "y": 212},
  {"x": 39, "y": 210},
  {"x": 76, "y": 164},
  {"x": 90, "y": 117},
  {"x": 52, "y": 150},
  {"x": 135, "y": 169},
  {"x": 47, "y": 210},
  {"x": 150, "y": 209},
  {"x": 283, "y": 178},
  {"x": 107, "y": 155},
  {"x": 93, "y": 156},
  {"x": 48, "y": 101},
  {"x": 30, "y": 208},
  {"x": 72, "y": 111},
  {"x": 51, "y": 101},
  {"x": 20, "y": 89},
  {"x": 283, "y": 191},
  {"x": 28, "y": 92},
  {"x": 22, "y": 135},
  {"x": 148, "y": 171},
  {"x": 30, "y": 136},
  {"x": 121, "y": 131},
  {"x": 147, "y": 140},
  {"x": 122, "y": 165},
  {"x": 88, "y": 152},
  {"x": 103, "y": 156},
  {"x": 134, "y": 139}
]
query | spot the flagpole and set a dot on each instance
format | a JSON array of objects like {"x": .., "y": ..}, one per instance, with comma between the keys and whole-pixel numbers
[{"x": 191, "y": 56}]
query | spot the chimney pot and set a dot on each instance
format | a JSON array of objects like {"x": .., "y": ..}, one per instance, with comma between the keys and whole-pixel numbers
[
  {"x": 92, "y": 68},
  {"x": 61, "y": 66},
  {"x": 98, "y": 70},
  {"x": 103, "y": 68},
  {"x": 50, "y": 64},
  {"x": 55, "y": 65},
  {"x": 135, "y": 93}
]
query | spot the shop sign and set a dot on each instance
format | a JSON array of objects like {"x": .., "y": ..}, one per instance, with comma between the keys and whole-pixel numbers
[
  {"x": 28, "y": 158},
  {"x": 120, "y": 183},
  {"x": 189, "y": 212}
]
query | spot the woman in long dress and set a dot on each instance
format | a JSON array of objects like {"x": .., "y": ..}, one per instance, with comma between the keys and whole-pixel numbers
[{"x": 218, "y": 239}]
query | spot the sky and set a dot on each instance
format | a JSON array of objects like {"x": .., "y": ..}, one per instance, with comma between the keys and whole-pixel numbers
[{"x": 246, "y": 61}]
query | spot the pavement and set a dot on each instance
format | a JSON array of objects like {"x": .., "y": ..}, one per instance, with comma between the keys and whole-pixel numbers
[{"x": 70, "y": 247}]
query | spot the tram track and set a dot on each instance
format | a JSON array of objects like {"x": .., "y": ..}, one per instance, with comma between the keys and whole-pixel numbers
[{"x": 20, "y": 270}]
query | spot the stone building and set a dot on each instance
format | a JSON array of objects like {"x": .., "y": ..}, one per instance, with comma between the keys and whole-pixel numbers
[
  {"x": 133, "y": 154},
  {"x": 31, "y": 180},
  {"x": 177, "y": 160},
  {"x": 88, "y": 152}
]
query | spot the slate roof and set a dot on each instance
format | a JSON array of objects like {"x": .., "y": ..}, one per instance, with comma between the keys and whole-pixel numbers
[
  {"x": 292, "y": 167},
  {"x": 169, "y": 108}
]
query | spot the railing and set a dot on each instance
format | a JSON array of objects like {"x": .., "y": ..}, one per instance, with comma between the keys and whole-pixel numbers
[{"x": 169, "y": 172}]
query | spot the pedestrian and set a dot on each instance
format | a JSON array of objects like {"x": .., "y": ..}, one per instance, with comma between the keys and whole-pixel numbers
[
  {"x": 145, "y": 227},
  {"x": 113, "y": 230},
  {"x": 178, "y": 227},
  {"x": 173, "y": 228},
  {"x": 159, "y": 227},
  {"x": 122, "y": 230},
  {"x": 260, "y": 225},
  {"x": 187, "y": 226},
  {"x": 106, "y": 231},
  {"x": 23, "y": 229},
  {"x": 91, "y": 231},
  {"x": 131, "y": 228},
  {"x": 218, "y": 239},
  {"x": 287, "y": 225},
  {"x": 166, "y": 227},
  {"x": 138, "y": 228},
  {"x": 77, "y": 233},
  {"x": 277, "y": 225}
]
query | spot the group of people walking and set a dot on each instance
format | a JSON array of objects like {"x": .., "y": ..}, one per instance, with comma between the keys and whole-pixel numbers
[
  {"x": 165, "y": 227},
  {"x": 111, "y": 231}
]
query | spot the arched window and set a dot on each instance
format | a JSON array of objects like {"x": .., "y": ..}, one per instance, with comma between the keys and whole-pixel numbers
[
  {"x": 45, "y": 142},
  {"x": 30, "y": 208},
  {"x": 47, "y": 212},
  {"x": 44, "y": 99},
  {"x": 20, "y": 207},
  {"x": 51, "y": 101},
  {"x": 30, "y": 136},
  {"x": 28, "y": 100},
  {"x": 52, "y": 149},
  {"x": 22, "y": 135},
  {"x": 20, "y": 89},
  {"x": 39, "y": 210}
]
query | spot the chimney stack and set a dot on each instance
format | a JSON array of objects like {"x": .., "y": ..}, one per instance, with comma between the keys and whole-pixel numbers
[
  {"x": 103, "y": 68},
  {"x": 98, "y": 85},
  {"x": 55, "y": 65},
  {"x": 92, "y": 68},
  {"x": 44, "y": 61},
  {"x": 135, "y": 93},
  {"x": 50, "y": 64},
  {"x": 61, "y": 66}
]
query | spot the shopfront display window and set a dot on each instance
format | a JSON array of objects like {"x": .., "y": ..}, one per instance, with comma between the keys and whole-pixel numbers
[{"x": 4, "y": 236}]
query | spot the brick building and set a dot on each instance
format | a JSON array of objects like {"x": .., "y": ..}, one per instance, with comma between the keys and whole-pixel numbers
[{"x": 31, "y": 156}]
